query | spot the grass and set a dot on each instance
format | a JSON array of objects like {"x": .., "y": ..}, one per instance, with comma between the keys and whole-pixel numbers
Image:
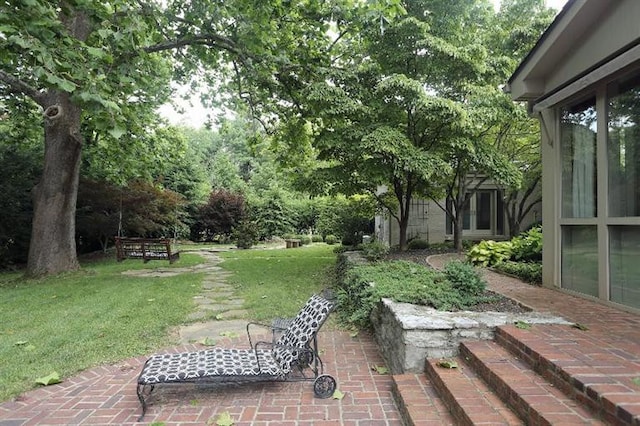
[
  {"x": 276, "y": 283},
  {"x": 94, "y": 316}
]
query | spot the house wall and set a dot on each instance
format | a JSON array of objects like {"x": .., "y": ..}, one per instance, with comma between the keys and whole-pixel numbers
[{"x": 583, "y": 55}]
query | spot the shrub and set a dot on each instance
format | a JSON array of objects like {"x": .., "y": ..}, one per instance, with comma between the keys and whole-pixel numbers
[
  {"x": 489, "y": 252},
  {"x": 304, "y": 239},
  {"x": 246, "y": 234},
  {"x": 330, "y": 239},
  {"x": 316, "y": 238},
  {"x": 465, "y": 278},
  {"x": 527, "y": 271},
  {"x": 418, "y": 244},
  {"x": 528, "y": 245},
  {"x": 374, "y": 250}
]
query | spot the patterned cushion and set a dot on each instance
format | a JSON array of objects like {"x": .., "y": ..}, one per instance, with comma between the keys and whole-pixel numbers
[
  {"x": 217, "y": 362},
  {"x": 301, "y": 331}
]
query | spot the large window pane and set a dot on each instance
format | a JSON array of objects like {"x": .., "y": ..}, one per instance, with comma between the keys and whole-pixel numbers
[
  {"x": 578, "y": 144},
  {"x": 624, "y": 252},
  {"x": 580, "y": 259},
  {"x": 624, "y": 149}
]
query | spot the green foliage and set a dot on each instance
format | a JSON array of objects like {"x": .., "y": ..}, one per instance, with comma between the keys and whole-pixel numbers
[
  {"x": 245, "y": 234},
  {"x": 465, "y": 278},
  {"x": 528, "y": 245},
  {"x": 330, "y": 239},
  {"x": 273, "y": 216},
  {"x": 374, "y": 250},
  {"x": 362, "y": 286},
  {"x": 417, "y": 244},
  {"x": 315, "y": 238},
  {"x": 489, "y": 252},
  {"x": 530, "y": 272},
  {"x": 304, "y": 239}
]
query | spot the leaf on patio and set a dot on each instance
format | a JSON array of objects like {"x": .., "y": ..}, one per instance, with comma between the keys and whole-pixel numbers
[
  {"x": 636, "y": 381},
  {"x": 523, "y": 325},
  {"x": 380, "y": 369},
  {"x": 224, "y": 419},
  {"x": 51, "y": 379},
  {"x": 580, "y": 326},
  {"x": 229, "y": 334},
  {"x": 338, "y": 394},
  {"x": 447, "y": 363}
]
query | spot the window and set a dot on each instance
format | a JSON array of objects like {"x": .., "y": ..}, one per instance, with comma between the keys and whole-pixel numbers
[
  {"x": 624, "y": 148},
  {"x": 580, "y": 259},
  {"x": 578, "y": 144},
  {"x": 624, "y": 252}
]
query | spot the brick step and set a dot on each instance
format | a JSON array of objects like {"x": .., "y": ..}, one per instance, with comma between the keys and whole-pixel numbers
[
  {"x": 418, "y": 401},
  {"x": 467, "y": 397},
  {"x": 534, "y": 399},
  {"x": 599, "y": 374}
]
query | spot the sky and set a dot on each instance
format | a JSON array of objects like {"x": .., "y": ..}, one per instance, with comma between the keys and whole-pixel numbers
[{"x": 195, "y": 115}]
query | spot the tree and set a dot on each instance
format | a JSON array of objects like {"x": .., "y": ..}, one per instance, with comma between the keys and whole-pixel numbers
[{"x": 96, "y": 62}]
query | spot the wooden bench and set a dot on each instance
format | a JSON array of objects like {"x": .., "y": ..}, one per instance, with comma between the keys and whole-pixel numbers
[{"x": 146, "y": 249}]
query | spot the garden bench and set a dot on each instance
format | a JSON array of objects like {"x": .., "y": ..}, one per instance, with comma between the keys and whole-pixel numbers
[
  {"x": 289, "y": 358},
  {"x": 292, "y": 243},
  {"x": 146, "y": 249}
]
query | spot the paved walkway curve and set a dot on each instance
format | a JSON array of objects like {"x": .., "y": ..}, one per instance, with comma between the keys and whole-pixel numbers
[{"x": 106, "y": 395}]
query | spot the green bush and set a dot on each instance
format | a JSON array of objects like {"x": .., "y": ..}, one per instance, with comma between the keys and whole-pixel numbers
[
  {"x": 527, "y": 271},
  {"x": 528, "y": 245},
  {"x": 316, "y": 238},
  {"x": 374, "y": 251},
  {"x": 489, "y": 252},
  {"x": 246, "y": 234},
  {"x": 465, "y": 278},
  {"x": 418, "y": 244},
  {"x": 304, "y": 239},
  {"x": 330, "y": 239}
]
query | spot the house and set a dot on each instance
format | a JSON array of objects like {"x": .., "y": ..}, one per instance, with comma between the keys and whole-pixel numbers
[
  {"x": 484, "y": 218},
  {"x": 582, "y": 81}
]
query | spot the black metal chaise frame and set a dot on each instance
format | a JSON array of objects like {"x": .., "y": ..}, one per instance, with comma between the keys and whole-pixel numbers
[{"x": 294, "y": 356}]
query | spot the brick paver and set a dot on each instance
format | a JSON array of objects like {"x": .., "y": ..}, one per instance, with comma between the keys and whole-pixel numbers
[{"x": 107, "y": 395}]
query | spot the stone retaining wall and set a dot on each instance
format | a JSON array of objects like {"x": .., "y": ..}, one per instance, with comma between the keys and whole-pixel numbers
[{"x": 407, "y": 334}]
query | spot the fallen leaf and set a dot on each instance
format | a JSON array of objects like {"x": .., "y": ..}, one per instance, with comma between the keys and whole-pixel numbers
[
  {"x": 21, "y": 343},
  {"x": 636, "y": 380},
  {"x": 224, "y": 419},
  {"x": 51, "y": 379},
  {"x": 580, "y": 326},
  {"x": 337, "y": 394},
  {"x": 229, "y": 334},
  {"x": 447, "y": 363},
  {"x": 380, "y": 369},
  {"x": 523, "y": 325}
]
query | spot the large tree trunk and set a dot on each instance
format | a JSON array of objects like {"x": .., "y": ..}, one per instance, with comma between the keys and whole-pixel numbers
[{"x": 53, "y": 248}]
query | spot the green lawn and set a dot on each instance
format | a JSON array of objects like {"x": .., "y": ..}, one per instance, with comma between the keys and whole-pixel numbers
[
  {"x": 276, "y": 283},
  {"x": 78, "y": 320}
]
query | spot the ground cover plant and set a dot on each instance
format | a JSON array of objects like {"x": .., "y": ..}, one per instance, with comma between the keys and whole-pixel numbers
[
  {"x": 275, "y": 283},
  {"x": 459, "y": 286},
  {"x": 70, "y": 322}
]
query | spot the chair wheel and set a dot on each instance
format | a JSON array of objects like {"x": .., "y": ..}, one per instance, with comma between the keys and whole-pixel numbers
[{"x": 324, "y": 386}]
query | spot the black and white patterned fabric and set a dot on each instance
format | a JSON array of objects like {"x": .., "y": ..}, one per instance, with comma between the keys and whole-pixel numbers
[
  {"x": 301, "y": 331},
  {"x": 229, "y": 363},
  {"x": 217, "y": 362}
]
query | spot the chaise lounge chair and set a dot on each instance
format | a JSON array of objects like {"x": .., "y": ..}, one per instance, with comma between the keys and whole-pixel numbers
[{"x": 289, "y": 358}]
